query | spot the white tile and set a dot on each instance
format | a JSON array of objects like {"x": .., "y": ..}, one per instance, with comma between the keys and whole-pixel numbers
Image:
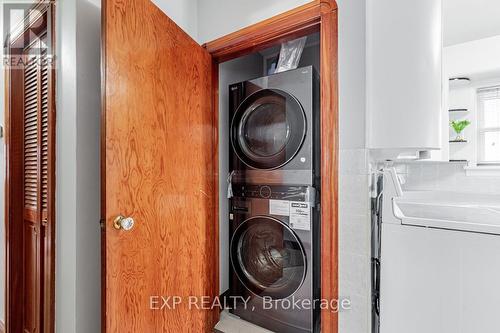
[
  {"x": 354, "y": 234},
  {"x": 357, "y": 319},
  {"x": 354, "y": 275},
  {"x": 353, "y": 161},
  {"x": 447, "y": 177},
  {"x": 354, "y": 194},
  {"x": 354, "y": 239}
]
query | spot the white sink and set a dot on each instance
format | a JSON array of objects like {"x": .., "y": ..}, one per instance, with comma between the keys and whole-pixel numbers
[{"x": 449, "y": 210}]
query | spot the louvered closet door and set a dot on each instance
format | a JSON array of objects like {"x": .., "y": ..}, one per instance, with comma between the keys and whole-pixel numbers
[{"x": 35, "y": 181}]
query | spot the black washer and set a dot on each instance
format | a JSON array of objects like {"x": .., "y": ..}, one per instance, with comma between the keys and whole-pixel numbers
[{"x": 268, "y": 257}]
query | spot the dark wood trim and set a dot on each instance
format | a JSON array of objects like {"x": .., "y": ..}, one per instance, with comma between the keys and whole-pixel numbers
[
  {"x": 215, "y": 145},
  {"x": 329, "y": 163},
  {"x": 13, "y": 231},
  {"x": 318, "y": 15},
  {"x": 14, "y": 186},
  {"x": 50, "y": 246},
  {"x": 14, "y": 207}
]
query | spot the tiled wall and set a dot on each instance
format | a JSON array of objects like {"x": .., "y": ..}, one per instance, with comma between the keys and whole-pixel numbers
[
  {"x": 354, "y": 241},
  {"x": 445, "y": 177}
]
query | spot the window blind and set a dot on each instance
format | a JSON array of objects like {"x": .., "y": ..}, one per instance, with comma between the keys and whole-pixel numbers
[{"x": 489, "y": 93}]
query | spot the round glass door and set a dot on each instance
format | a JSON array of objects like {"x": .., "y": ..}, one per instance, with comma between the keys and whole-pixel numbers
[
  {"x": 268, "y": 258},
  {"x": 268, "y": 129}
]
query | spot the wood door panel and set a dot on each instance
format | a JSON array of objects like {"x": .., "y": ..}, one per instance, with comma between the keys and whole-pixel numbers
[
  {"x": 15, "y": 202},
  {"x": 31, "y": 278},
  {"x": 30, "y": 176},
  {"x": 30, "y": 215},
  {"x": 158, "y": 169}
]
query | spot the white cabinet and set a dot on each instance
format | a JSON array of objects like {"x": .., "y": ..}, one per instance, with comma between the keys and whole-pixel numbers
[
  {"x": 438, "y": 281},
  {"x": 404, "y": 75}
]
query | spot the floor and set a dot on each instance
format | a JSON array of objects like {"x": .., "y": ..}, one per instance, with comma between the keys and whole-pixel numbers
[{"x": 232, "y": 324}]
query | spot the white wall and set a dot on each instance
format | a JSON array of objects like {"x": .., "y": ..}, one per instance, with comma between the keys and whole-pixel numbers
[
  {"x": 88, "y": 232},
  {"x": 182, "y": 12},
  {"x": 217, "y": 18},
  {"x": 476, "y": 57},
  {"x": 352, "y": 73},
  {"x": 77, "y": 167},
  {"x": 66, "y": 167},
  {"x": 354, "y": 202},
  {"x": 465, "y": 21}
]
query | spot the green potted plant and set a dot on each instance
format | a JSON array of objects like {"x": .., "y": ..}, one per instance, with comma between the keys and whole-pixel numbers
[{"x": 458, "y": 126}]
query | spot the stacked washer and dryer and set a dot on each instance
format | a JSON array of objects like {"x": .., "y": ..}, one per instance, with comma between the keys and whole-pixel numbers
[{"x": 274, "y": 204}]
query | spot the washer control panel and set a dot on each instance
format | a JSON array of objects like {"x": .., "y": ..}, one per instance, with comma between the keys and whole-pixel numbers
[{"x": 275, "y": 192}]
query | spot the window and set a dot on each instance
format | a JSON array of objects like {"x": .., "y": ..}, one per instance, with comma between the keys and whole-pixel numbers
[{"x": 489, "y": 125}]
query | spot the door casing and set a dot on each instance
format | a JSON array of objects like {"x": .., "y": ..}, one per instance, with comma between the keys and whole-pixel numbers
[{"x": 317, "y": 16}]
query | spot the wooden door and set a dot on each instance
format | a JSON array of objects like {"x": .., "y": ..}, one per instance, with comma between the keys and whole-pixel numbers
[
  {"x": 29, "y": 190},
  {"x": 35, "y": 181},
  {"x": 158, "y": 167}
]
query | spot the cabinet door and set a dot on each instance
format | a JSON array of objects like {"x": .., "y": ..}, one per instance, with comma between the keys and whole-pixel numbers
[
  {"x": 35, "y": 180},
  {"x": 159, "y": 144},
  {"x": 403, "y": 76}
]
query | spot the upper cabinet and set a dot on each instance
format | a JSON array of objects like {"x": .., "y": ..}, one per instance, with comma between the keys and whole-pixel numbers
[{"x": 404, "y": 75}]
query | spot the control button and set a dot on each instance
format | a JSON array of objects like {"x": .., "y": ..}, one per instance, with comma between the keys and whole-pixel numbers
[{"x": 265, "y": 192}]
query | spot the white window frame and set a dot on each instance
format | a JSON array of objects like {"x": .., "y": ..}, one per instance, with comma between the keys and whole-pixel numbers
[{"x": 481, "y": 129}]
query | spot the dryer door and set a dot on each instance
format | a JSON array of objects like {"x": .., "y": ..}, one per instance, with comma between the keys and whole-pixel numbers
[
  {"x": 267, "y": 257},
  {"x": 268, "y": 129}
]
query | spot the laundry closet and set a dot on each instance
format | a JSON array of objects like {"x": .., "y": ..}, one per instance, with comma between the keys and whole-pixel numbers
[{"x": 269, "y": 184}]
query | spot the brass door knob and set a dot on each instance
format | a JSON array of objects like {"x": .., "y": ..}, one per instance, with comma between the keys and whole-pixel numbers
[{"x": 125, "y": 223}]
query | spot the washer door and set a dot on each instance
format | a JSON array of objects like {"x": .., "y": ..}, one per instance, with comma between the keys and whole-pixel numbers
[
  {"x": 268, "y": 129},
  {"x": 267, "y": 257}
]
